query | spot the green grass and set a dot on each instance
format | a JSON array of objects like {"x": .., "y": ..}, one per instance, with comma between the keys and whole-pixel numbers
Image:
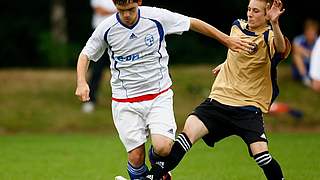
[
  {"x": 44, "y": 101},
  {"x": 101, "y": 157},
  {"x": 39, "y": 157},
  {"x": 42, "y": 130}
]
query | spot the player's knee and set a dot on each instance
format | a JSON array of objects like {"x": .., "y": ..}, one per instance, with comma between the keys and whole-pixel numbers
[
  {"x": 263, "y": 158},
  {"x": 136, "y": 158},
  {"x": 161, "y": 145},
  {"x": 316, "y": 85},
  {"x": 162, "y": 149},
  {"x": 194, "y": 128}
]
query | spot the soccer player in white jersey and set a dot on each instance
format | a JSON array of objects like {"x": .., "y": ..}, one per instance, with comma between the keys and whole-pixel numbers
[{"x": 142, "y": 100}]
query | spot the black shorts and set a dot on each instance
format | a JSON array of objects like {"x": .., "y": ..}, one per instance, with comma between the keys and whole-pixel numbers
[{"x": 223, "y": 121}]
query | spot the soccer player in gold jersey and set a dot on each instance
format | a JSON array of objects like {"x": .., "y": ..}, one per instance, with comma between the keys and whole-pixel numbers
[{"x": 243, "y": 90}]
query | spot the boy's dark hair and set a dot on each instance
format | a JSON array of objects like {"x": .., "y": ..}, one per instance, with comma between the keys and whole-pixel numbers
[{"x": 121, "y": 2}]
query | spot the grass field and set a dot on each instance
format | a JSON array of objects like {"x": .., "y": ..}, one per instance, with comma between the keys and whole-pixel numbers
[
  {"x": 101, "y": 157},
  {"x": 45, "y": 136},
  {"x": 44, "y": 101}
]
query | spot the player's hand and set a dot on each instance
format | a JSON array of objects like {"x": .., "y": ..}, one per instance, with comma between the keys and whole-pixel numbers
[
  {"x": 238, "y": 44},
  {"x": 306, "y": 81},
  {"x": 216, "y": 70},
  {"x": 274, "y": 11},
  {"x": 82, "y": 91}
]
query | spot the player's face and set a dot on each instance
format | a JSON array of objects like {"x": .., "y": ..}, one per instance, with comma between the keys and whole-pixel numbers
[
  {"x": 256, "y": 14},
  {"x": 311, "y": 34},
  {"x": 128, "y": 13}
]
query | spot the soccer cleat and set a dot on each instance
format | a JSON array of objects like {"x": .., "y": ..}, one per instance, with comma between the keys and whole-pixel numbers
[{"x": 167, "y": 176}]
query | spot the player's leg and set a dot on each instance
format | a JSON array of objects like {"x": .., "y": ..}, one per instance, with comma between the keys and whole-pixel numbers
[
  {"x": 160, "y": 148},
  {"x": 251, "y": 128},
  {"x": 193, "y": 130},
  {"x": 263, "y": 158},
  {"x": 162, "y": 126},
  {"x": 316, "y": 85},
  {"x": 161, "y": 145},
  {"x": 136, "y": 163},
  {"x": 203, "y": 119},
  {"x": 132, "y": 132}
]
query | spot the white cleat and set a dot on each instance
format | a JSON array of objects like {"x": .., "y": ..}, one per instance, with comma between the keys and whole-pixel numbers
[{"x": 120, "y": 178}]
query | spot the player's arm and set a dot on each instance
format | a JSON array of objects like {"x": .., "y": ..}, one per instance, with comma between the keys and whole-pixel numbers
[
  {"x": 93, "y": 50},
  {"x": 273, "y": 14},
  {"x": 297, "y": 55},
  {"x": 234, "y": 43},
  {"x": 279, "y": 41},
  {"x": 82, "y": 90},
  {"x": 300, "y": 50}
]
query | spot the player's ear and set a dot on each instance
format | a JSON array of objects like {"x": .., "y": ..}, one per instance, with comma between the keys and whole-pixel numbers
[
  {"x": 268, "y": 6},
  {"x": 139, "y": 2}
]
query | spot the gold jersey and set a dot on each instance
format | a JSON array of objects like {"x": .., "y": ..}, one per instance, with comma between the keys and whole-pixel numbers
[{"x": 249, "y": 79}]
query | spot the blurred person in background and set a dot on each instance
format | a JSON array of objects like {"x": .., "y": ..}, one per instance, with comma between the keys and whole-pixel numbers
[
  {"x": 315, "y": 66},
  {"x": 301, "y": 51},
  {"x": 101, "y": 10},
  {"x": 142, "y": 98}
]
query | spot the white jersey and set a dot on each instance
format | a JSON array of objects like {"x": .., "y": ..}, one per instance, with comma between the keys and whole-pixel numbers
[
  {"x": 139, "y": 60},
  {"x": 105, "y": 4}
]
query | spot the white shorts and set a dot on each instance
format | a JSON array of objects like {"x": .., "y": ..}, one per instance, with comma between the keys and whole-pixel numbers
[{"x": 134, "y": 120}]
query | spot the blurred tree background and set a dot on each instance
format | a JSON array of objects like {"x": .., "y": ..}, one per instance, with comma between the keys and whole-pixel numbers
[{"x": 51, "y": 33}]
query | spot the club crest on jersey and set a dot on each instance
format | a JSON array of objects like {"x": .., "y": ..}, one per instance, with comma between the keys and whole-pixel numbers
[
  {"x": 149, "y": 40},
  {"x": 254, "y": 49}
]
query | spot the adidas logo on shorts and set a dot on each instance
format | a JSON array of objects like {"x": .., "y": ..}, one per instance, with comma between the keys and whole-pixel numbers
[
  {"x": 170, "y": 131},
  {"x": 263, "y": 136}
]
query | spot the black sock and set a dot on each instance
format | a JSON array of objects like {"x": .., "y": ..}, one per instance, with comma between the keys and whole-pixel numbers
[
  {"x": 270, "y": 166},
  {"x": 181, "y": 145},
  {"x": 154, "y": 157}
]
